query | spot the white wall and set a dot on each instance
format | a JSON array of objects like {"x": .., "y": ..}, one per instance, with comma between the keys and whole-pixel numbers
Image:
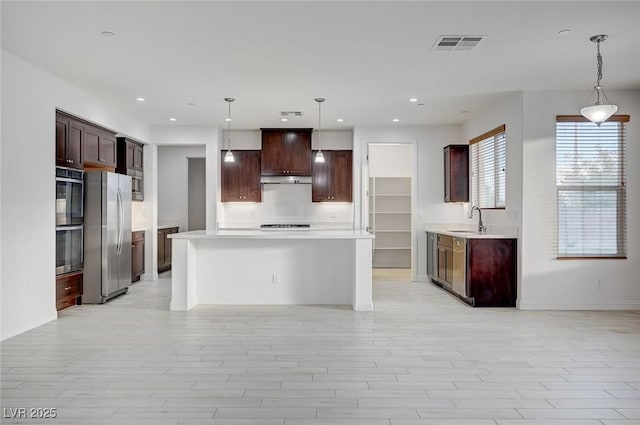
[
  {"x": 390, "y": 160},
  {"x": 548, "y": 283},
  {"x": 508, "y": 112},
  {"x": 30, "y": 97},
  {"x": 429, "y": 204},
  {"x": 173, "y": 182}
]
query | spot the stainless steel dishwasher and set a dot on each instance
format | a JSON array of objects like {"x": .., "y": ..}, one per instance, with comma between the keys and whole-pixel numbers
[{"x": 460, "y": 266}]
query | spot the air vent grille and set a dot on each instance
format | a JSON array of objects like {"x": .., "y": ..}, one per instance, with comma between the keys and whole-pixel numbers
[
  {"x": 456, "y": 42},
  {"x": 291, "y": 113}
]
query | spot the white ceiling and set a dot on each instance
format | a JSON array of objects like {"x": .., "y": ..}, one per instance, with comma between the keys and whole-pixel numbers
[{"x": 366, "y": 58}]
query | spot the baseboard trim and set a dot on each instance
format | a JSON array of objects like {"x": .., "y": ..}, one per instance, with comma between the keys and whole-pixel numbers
[{"x": 598, "y": 306}]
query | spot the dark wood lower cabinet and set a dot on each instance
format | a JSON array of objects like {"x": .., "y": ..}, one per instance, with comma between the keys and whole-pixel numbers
[
  {"x": 491, "y": 272},
  {"x": 486, "y": 270},
  {"x": 68, "y": 290},
  {"x": 164, "y": 248},
  {"x": 137, "y": 255}
]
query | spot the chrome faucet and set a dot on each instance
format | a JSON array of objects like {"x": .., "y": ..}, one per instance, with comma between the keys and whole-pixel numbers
[{"x": 481, "y": 227}]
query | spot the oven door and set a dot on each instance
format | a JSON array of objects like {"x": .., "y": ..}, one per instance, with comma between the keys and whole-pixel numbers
[
  {"x": 69, "y": 201},
  {"x": 69, "y": 249}
]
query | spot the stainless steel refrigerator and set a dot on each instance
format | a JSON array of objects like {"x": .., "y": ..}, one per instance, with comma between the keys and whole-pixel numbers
[{"x": 107, "y": 236}]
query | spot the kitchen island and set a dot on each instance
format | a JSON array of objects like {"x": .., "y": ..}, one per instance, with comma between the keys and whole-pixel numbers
[{"x": 242, "y": 267}]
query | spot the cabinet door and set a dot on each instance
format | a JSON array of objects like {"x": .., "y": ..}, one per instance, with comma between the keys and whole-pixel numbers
[
  {"x": 137, "y": 260},
  {"x": 341, "y": 176},
  {"x": 107, "y": 150},
  {"x": 229, "y": 178},
  {"x": 249, "y": 189},
  {"x": 297, "y": 149},
  {"x": 442, "y": 264},
  {"x": 449, "y": 265},
  {"x": 161, "y": 251},
  {"x": 321, "y": 179},
  {"x": 271, "y": 154},
  {"x": 456, "y": 176},
  {"x": 92, "y": 145},
  {"x": 62, "y": 132},
  {"x": 137, "y": 163},
  {"x": 75, "y": 142}
]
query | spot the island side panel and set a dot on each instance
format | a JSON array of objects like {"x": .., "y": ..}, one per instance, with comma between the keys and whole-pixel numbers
[
  {"x": 275, "y": 271},
  {"x": 362, "y": 280}
]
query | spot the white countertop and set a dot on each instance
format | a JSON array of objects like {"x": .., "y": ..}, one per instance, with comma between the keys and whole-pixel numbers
[
  {"x": 274, "y": 234},
  {"x": 471, "y": 232}
]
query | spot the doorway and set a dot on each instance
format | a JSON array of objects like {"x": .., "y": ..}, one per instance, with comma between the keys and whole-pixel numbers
[
  {"x": 390, "y": 200},
  {"x": 196, "y": 210}
]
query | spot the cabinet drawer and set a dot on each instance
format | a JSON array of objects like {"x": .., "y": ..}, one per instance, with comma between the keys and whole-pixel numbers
[
  {"x": 68, "y": 289},
  {"x": 137, "y": 236},
  {"x": 445, "y": 240}
]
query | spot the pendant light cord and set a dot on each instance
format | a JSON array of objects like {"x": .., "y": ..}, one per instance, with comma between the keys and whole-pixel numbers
[{"x": 599, "y": 71}]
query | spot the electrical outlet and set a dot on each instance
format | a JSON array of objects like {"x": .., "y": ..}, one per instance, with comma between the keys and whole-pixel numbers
[
  {"x": 275, "y": 279},
  {"x": 599, "y": 284}
]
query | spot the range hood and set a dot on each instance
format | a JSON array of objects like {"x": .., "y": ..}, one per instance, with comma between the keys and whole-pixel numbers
[{"x": 285, "y": 179}]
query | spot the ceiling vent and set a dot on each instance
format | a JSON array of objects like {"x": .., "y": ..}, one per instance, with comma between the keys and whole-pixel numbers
[
  {"x": 457, "y": 42},
  {"x": 291, "y": 113}
]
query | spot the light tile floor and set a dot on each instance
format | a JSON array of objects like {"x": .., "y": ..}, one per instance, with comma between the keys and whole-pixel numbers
[{"x": 422, "y": 357}]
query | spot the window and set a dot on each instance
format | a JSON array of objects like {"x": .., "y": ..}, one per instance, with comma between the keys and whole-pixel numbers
[
  {"x": 590, "y": 180},
  {"x": 488, "y": 167}
]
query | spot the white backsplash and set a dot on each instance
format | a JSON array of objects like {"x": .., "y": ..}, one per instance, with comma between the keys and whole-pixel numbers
[{"x": 285, "y": 203}]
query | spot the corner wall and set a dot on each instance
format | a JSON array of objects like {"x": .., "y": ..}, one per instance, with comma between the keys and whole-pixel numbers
[
  {"x": 30, "y": 97},
  {"x": 548, "y": 283}
]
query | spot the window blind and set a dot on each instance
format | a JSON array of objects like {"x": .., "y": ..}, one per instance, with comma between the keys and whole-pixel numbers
[
  {"x": 591, "y": 188},
  {"x": 488, "y": 169}
]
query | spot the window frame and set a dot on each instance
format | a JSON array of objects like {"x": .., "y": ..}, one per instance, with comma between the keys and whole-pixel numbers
[
  {"x": 491, "y": 134},
  {"x": 620, "y": 191}
]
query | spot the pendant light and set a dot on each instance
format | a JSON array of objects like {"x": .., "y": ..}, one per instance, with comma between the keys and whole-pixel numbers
[
  {"x": 228, "y": 156},
  {"x": 319, "y": 155},
  {"x": 599, "y": 112}
]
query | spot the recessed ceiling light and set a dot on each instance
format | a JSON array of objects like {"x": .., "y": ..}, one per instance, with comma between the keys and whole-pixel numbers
[
  {"x": 339, "y": 120},
  {"x": 396, "y": 120},
  {"x": 227, "y": 119},
  {"x": 413, "y": 99},
  {"x": 172, "y": 119},
  {"x": 191, "y": 104},
  {"x": 284, "y": 119},
  {"x": 108, "y": 33},
  {"x": 140, "y": 99},
  {"x": 564, "y": 32}
]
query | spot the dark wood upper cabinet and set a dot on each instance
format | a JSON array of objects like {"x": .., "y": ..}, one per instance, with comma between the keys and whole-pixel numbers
[
  {"x": 129, "y": 161},
  {"x": 99, "y": 147},
  {"x": 108, "y": 149},
  {"x": 240, "y": 180},
  {"x": 69, "y": 142},
  {"x": 286, "y": 152},
  {"x": 130, "y": 155},
  {"x": 456, "y": 173},
  {"x": 332, "y": 180}
]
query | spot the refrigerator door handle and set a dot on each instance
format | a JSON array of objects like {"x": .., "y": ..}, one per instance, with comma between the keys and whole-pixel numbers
[{"x": 120, "y": 222}]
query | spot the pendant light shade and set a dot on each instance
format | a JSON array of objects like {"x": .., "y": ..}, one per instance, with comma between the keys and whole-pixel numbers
[
  {"x": 319, "y": 158},
  {"x": 600, "y": 112},
  {"x": 228, "y": 156}
]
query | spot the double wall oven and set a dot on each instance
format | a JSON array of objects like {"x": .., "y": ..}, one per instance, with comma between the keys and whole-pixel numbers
[{"x": 69, "y": 220}]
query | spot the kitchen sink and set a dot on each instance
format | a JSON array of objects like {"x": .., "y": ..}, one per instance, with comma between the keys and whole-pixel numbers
[{"x": 462, "y": 231}]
